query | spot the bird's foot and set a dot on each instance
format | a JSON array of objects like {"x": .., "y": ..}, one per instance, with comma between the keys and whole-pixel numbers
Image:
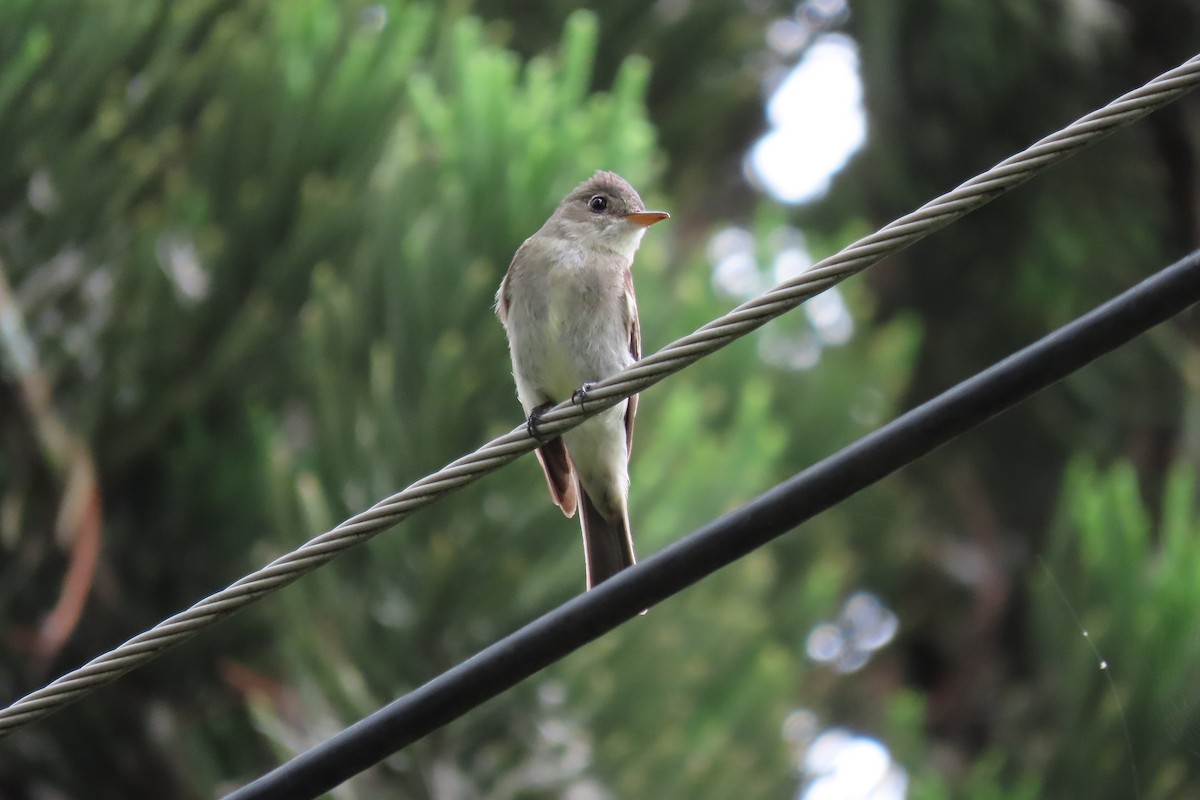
[
  {"x": 535, "y": 416},
  {"x": 579, "y": 396}
]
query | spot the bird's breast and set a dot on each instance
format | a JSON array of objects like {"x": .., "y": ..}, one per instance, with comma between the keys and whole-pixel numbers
[{"x": 577, "y": 329}]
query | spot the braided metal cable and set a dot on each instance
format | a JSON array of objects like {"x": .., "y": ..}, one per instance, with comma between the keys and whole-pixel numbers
[{"x": 650, "y": 370}]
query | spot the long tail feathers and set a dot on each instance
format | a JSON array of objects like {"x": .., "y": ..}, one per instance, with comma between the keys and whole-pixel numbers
[{"x": 607, "y": 544}]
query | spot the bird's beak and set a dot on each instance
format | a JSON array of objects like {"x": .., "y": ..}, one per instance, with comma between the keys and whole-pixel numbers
[{"x": 644, "y": 219}]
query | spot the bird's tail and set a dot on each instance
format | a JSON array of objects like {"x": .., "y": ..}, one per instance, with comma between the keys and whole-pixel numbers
[{"x": 607, "y": 544}]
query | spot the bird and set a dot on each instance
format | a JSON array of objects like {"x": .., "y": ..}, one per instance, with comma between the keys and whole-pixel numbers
[{"x": 568, "y": 308}]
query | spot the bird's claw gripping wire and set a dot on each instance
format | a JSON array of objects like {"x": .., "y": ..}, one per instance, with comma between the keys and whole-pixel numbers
[
  {"x": 579, "y": 396},
  {"x": 535, "y": 416}
]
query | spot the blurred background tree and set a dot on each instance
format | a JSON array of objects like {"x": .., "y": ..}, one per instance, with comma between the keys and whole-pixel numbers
[{"x": 247, "y": 259}]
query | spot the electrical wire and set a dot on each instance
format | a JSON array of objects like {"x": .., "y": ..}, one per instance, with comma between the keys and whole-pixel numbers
[
  {"x": 818, "y": 488},
  {"x": 737, "y": 323}
]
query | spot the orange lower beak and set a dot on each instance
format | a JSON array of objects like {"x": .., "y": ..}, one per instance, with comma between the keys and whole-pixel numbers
[{"x": 646, "y": 218}]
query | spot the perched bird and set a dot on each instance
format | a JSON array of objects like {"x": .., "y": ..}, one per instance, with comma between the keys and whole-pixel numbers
[{"x": 568, "y": 307}]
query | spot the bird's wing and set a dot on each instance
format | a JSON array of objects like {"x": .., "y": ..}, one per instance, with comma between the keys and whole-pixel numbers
[
  {"x": 560, "y": 475},
  {"x": 502, "y": 298},
  {"x": 635, "y": 350}
]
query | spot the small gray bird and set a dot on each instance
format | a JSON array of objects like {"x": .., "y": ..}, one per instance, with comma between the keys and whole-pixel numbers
[{"x": 568, "y": 308}]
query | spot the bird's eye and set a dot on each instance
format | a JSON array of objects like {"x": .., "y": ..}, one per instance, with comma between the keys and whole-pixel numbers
[{"x": 598, "y": 203}]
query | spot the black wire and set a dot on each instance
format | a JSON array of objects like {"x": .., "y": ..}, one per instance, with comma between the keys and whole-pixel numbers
[{"x": 821, "y": 486}]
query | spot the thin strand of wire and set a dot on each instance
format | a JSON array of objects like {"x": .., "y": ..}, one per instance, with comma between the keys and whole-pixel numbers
[{"x": 737, "y": 323}]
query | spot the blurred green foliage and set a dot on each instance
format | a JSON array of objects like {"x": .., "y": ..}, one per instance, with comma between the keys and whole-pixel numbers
[
  {"x": 1127, "y": 585},
  {"x": 255, "y": 247}
]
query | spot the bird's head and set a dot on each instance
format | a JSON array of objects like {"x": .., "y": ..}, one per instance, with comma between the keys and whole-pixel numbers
[{"x": 606, "y": 212}]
